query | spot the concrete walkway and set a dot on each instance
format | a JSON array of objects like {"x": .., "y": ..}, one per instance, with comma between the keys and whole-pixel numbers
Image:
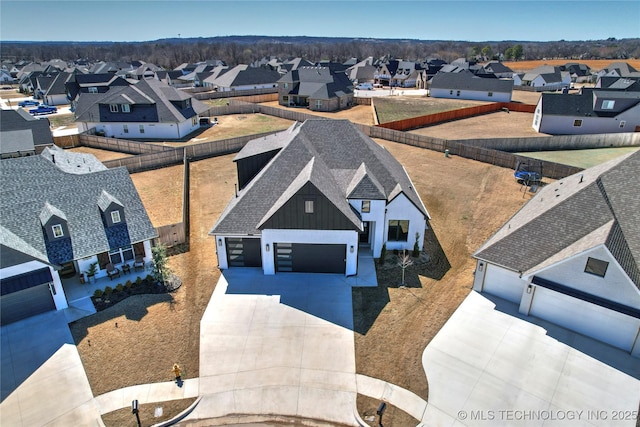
[{"x": 491, "y": 366}]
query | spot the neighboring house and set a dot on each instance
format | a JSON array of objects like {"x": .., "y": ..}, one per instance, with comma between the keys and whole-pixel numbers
[
  {"x": 243, "y": 77},
  {"x": 21, "y": 134},
  {"x": 91, "y": 83},
  {"x": 316, "y": 88},
  {"x": 148, "y": 109},
  {"x": 591, "y": 111},
  {"x": 311, "y": 197},
  {"x": 580, "y": 73},
  {"x": 430, "y": 68},
  {"x": 546, "y": 77},
  {"x": 385, "y": 71},
  {"x": 498, "y": 69},
  {"x": 63, "y": 211},
  {"x": 170, "y": 78},
  {"x": 406, "y": 74},
  {"x": 618, "y": 69},
  {"x": 465, "y": 85},
  {"x": 571, "y": 255},
  {"x": 56, "y": 91},
  {"x": 5, "y": 76},
  {"x": 213, "y": 74},
  {"x": 362, "y": 72}
]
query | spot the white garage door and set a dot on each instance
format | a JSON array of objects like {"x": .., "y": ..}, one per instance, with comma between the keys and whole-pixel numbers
[
  {"x": 586, "y": 318},
  {"x": 503, "y": 283}
]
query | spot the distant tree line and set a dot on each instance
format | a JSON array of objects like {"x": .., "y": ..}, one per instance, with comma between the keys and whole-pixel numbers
[{"x": 169, "y": 53}]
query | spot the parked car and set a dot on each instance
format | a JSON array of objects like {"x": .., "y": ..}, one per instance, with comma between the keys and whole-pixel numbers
[
  {"x": 28, "y": 103},
  {"x": 365, "y": 86},
  {"x": 43, "y": 109}
]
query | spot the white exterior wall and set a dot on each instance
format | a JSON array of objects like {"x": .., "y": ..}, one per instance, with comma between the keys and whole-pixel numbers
[
  {"x": 375, "y": 216},
  {"x": 248, "y": 87},
  {"x": 563, "y": 125},
  {"x": 151, "y": 130},
  {"x": 221, "y": 251},
  {"x": 503, "y": 283},
  {"x": 402, "y": 208},
  {"x": 59, "y": 298},
  {"x": 58, "y": 99},
  {"x": 614, "y": 286},
  {"x": 471, "y": 95},
  {"x": 271, "y": 236},
  {"x": 589, "y": 319}
]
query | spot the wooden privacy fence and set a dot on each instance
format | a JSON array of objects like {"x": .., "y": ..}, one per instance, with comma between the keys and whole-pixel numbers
[
  {"x": 233, "y": 94},
  {"x": 67, "y": 141},
  {"x": 462, "y": 113},
  {"x": 172, "y": 234},
  {"x": 120, "y": 145}
]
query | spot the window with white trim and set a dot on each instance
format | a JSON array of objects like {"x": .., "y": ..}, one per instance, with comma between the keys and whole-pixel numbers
[
  {"x": 141, "y": 128},
  {"x": 93, "y": 89},
  {"x": 125, "y": 128},
  {"x": 319, "y": 103},
  {"x": 115, "y": 217},
  {"x": 188, "y": 102},
  {"x": 57, "y": 230},
  {"x": 126, "y": 108},
  {"x": 366, "y": 206},
  {"x": 120, "y": 255},
  {"x": 113, "y": 108}
]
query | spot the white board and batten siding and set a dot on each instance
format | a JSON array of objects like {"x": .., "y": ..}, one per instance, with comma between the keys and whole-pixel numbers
[
  {"x": 401, "y": 208},
  {"x": 498, "y": 281}
]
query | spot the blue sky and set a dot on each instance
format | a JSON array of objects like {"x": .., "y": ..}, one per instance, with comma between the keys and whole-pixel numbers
[{"x": 144, "y": 20}]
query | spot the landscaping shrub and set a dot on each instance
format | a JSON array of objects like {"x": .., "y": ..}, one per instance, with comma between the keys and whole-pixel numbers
[
  {"x": 108, "y": 290},
  {"x": 383, "y": 254},
  {"x": 128, "y": 284},
  {"x": 416, "y": 247},
  {"x": 119, "y": 287},
  {"x": 98, "y": 293},
  {"x": 138, "y": 280}
]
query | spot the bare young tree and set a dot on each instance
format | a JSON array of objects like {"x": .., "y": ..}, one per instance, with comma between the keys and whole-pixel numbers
[{"x": 404, "y": 261}]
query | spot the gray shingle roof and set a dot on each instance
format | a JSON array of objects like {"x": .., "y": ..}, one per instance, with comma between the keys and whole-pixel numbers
[
  {"x": 328, "y": 153},
  {"x": 317, "y": 82},
  {"x": 465, "y": 80},
  {"x": 20, "y": 120},
  {"x": 595, "y": 206},
  {"x": 33, "y": 185}
]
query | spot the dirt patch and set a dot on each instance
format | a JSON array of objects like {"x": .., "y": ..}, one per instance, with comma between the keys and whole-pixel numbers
[
  {"x": 467, "y": 201},
  {"x": 390, "y": 109},
  {"x": 362, "y": 114},
  {"x": 147, "y": 413},
  {"x": 594, "y": 64},
  {"x": 161, "y": 194},
  {"x": 102, "y": 155}
]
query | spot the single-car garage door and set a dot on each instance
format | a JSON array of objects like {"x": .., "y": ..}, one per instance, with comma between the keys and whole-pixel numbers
[
  {"x": 243, "y": 252},
  {"x": 311, "y": 258},
  {"x": 26, "y": 303},
  {"x": 586, "y": 318}
]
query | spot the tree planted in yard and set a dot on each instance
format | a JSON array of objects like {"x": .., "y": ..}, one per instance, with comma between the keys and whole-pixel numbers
[
  {"x": 404, "y": 261},
  {"x": 160, "y": 271}
]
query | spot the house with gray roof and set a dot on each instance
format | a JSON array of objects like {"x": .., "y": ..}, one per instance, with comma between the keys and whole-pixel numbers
[
  {"x": 316, "y": 88},
  {"x": 312, "y": 197},
  {"x": 148, "y": 109},
  {"x": 243, "y": 77},
  {"x": 592, "y": 111},
  {"x": 571, "y": 255},
  {"x": 62, "y": 211},
  {"x": 544, "y": 78},
  {"x": 465, "y": 85},
  {"x": 22, "y": 134}
]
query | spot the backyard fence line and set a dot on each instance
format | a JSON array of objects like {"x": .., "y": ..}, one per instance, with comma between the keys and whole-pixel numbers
[
  {"x": 120, "y": 145},
  {"x": 67, "y": 141},
  {"x": 233, "y": 94}
]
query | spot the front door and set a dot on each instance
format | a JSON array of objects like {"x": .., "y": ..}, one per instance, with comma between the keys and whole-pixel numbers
[{"x": 364, "y": 236}]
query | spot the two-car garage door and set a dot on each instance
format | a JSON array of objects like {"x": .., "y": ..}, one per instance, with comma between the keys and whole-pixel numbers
[{"x": 310, "y": 258}]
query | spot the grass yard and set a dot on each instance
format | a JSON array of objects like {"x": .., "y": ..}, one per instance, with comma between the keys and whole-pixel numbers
[
  {"x": 390, "y": 109},
  {"x": 581, "y": 158},
  {"x": 58, "y": 120}
]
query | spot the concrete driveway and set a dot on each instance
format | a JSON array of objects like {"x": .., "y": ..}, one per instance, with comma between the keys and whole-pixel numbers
[
  {"x": 278, "y": 344},
  {"x": 43, "y": 380},
  {"x": 489, "y": 365}
]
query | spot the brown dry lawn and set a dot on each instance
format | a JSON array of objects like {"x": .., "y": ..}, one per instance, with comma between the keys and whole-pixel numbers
[
  {"x": 467, "y": 201},
  {"x": 594, "y": 64}
]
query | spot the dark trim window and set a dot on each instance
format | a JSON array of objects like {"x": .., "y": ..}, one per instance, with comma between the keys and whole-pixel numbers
[
  {"x": 596, "y": 266},
  {"x": 113, "y": 108},
  {"x": 577, "y": 123},
  {"x": 125, "y": 128},
  {"x": 141, "y": 128},
  {"x": 188, "y": 102},
  {"x": 57, "y": 230},
  {"x": 120, "y": 255},
  {"x": 93, "y": 89},
  {"x": 398, "y": 230},
  {"x": 308, "y": 206},
  {"x": 366, "y": 206},
  {"x": 490, "y": 93}
]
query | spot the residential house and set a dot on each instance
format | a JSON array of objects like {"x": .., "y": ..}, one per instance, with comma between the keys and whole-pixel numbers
[
  {"x": 545, "y": 78},
  {"x": 212, "y": 75},
  {"x": 54, "y": 90},
  {"x": 498, "y": 69},
  {"x": 571, "y": 255},
  {"x": 580, "y": 73},
  {"x": 406, "y": 74},
  {"x": 243, "y": 77},
  {"x": 429, "y": 68},
  {"x": 618, "y": 69},
  {"x": 91, "y": 83},
  {"x": 5, "y": 76},
  {"x": 312, "y": 197},
  {"x": 591, "y": 111},
  {"x": 362, "y": 72},
  {"x": 169, "y": 77},
  {"x": 21, "y": 134},
  {"x": 465, "y": 85},
  {"x": 317, "y": 88},
  {"x": 148, "y": 109},
  {"x": 385, "y": 71},
  {"x": 61, "y": 212}
]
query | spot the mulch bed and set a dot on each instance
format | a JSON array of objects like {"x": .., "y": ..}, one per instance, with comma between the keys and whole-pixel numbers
[{"x": 110, "y": 296}]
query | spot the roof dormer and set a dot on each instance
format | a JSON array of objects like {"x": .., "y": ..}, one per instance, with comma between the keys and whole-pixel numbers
[
  {"x": 54, "y": 222},
  {"x": 111, "y": 209}
]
